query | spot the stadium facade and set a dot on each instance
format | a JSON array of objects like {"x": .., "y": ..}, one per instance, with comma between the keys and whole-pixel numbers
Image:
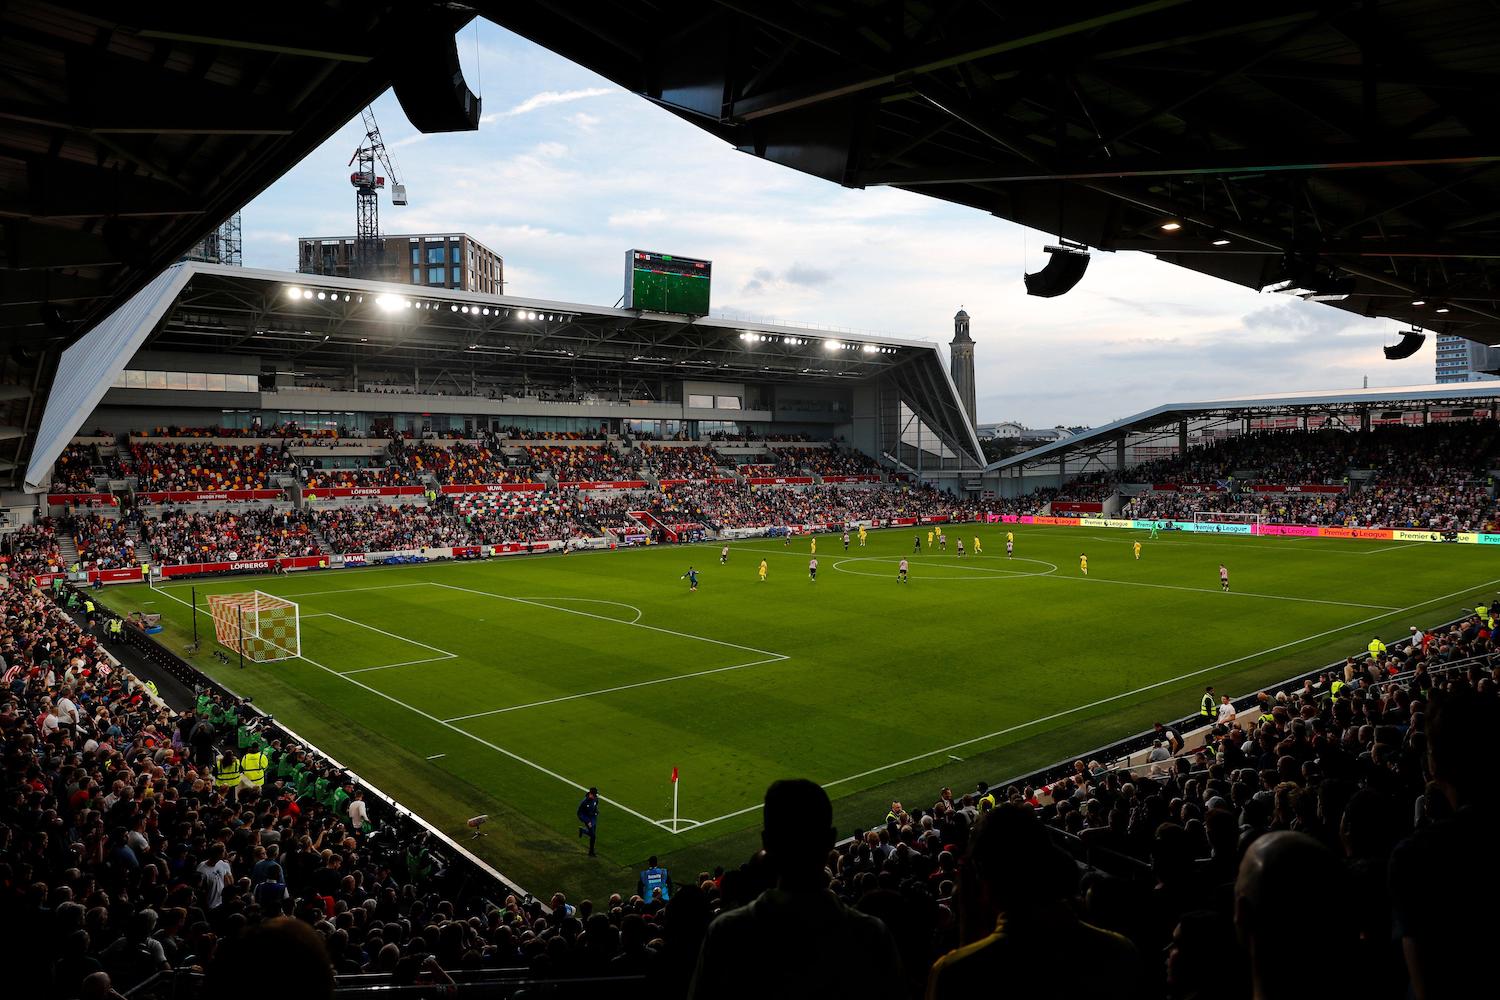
[{"x": 210, "y": 345}]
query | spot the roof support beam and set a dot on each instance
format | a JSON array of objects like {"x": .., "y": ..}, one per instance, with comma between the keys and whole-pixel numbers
[{"x": 1340, "y": 157}]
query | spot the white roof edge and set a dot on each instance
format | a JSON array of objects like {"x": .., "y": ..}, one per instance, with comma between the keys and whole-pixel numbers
[{"x": 86, "y": 370}]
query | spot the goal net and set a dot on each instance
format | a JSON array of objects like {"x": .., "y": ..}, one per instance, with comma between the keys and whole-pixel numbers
[
  {"x": 259, "y": 625},
  {"x": 1205, "y": 520}
]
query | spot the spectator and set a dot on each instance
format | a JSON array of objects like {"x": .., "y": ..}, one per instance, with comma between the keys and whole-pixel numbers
[
  {"x": 796, "y": 939},
  {"x": 1019, "y": 926}
]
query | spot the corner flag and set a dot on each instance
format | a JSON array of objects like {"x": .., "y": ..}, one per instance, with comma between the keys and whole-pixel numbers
[
  {"x": 674, "y": 800},
  {"x": 674, "y": 775}
]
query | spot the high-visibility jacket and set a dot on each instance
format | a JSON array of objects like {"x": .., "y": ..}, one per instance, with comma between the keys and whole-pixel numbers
[
  {"x": 1206, "y": 707},
  {"x": 151, "y": 689},
  {"x": 227, "y": 772},
  {"x": 88, "y": 606},
  {"x": 1376, "y": 647},
  {"x": 254, "y": 765},
  {"x": 116, "y": 627},
  {"x": 1336, "y": 687}
]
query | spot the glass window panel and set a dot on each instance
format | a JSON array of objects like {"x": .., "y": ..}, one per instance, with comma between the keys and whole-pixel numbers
[
  {"x": 156, "y": 380},
  {"x": 197, "y": 380},
  {"x": 416, "y": 254},
  {"x": 695, "y": 399},
  {"x": 458, "y": 276},
  {"x": 435, "y": 255},
  {"x": 176, "y": 380},
  {"x": 457, "y": 254},
  {"x": 218, "y": 381},
  {"x": 435, "y": 275},
  {"x": 416, "y": 273}
]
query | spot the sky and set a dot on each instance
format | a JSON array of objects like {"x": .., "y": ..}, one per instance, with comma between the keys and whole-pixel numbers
[{"x": 568, "y": 171}]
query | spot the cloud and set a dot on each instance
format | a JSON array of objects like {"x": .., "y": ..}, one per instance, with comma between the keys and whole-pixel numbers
[
  {"x": 805, "y": 274},
  {"x": 583, "y": 121},
  {"x": 547, "y": 99}
]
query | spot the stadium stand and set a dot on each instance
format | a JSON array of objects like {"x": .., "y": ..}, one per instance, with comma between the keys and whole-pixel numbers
[
  {"x": 584, "y": 463},
  {"x": 206, "y": 467},
  {"x": 195, "y": 535},
  {"x": 683, "y": 463}
]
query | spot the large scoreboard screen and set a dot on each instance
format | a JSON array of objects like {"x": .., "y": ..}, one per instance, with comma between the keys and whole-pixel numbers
[{"x": 661, "y": 282}]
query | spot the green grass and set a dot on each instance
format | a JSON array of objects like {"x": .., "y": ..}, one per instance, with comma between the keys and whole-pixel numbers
[{"x": 601, "y": 668}]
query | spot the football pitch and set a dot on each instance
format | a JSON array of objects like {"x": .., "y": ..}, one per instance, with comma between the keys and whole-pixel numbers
[{"x": 504, "y": 687}]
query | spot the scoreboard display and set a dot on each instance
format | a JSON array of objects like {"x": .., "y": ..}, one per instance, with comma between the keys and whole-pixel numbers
[{"x": 660, "y": 282}]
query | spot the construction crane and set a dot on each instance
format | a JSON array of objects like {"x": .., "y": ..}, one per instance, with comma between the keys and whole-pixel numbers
[{"x": 369, "y": 251}]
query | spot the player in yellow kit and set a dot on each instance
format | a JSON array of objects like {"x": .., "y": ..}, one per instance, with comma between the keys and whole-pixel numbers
[
  {"x": 929, "y": 538},
  {"x": 764, "y": 569},
  {"x": 814, "y": 546},
  {"x": 978, "y": 549},
  {"x": 1138, "y": 550},
  {"x": 1010, "y": 544},
  {"x": 1083, "y": 563},
  {"x": 863, "y": 534}
]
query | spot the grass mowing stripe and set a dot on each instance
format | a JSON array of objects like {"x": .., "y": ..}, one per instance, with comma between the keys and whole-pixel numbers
[
  {"x": 1215, "y": 590},
  {"x": 463, "y": 732},
  {"x": 1116, "y": 697},
  {"x": 606, "y": 618},
  {"x": 610, "y": 690}
]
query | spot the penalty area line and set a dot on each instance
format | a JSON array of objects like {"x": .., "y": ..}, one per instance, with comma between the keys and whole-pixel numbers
[
  {"x": 618, "y": 687},
  {"x": 497, "y": 748}
]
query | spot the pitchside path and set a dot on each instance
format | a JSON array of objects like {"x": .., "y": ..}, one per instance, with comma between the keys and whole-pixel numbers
[{"x": 507, "y": 686}]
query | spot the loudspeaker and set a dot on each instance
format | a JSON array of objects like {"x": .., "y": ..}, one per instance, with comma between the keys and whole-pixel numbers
[
  {"x": 431, "y": 89},
  {"x": 1411, "y": 342},
  {"x": 1062, "y": 272}
]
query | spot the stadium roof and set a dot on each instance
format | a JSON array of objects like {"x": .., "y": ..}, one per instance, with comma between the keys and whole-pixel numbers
[
  {"x": 129, "y": 130},
  {"x": 1482, "y": 394},
  {"x": 316, "y": 323},
  {"x": 1349, "y": 148}
]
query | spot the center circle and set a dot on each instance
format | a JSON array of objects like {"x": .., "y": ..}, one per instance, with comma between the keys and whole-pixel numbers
[{"x": 950, "y": 570}]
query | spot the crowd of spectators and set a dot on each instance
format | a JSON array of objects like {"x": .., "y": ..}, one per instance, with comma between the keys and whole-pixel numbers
[
  {"x": 461, "y": 463},
  {"x": 32, "y": 549},
  {"x": 836, "y": 461},
  {"x": 584, "y": 463},
  {"x": 198, "y": 534},
  {"x": 393, "y": 473},
  {"x": 692, "y": 462},
  {"x": 206, "y": 467},
  {"x": 102, "y": 542},
  {"x": 76, "y": 469},
  {"x": 720, "y": 505}
]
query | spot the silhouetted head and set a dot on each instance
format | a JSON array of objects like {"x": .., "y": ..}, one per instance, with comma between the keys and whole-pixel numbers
[{"x": 798, "y": 829}]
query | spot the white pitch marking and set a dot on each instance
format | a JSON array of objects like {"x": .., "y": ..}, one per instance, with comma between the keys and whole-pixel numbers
[
  {"x": 436, "y": 756},
  {"x": 403, "y": 663},
  {"x": 1392, "y": 548},
  {"x": 609, "y": 690},
  {"x": 639, "y": 614},
  {"x": 606, "y": 618}
]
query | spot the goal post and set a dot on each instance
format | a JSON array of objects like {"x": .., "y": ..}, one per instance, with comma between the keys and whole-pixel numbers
[
  {"x": 260, "y": 626},
  {"x": 1204, "y": 520}
]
